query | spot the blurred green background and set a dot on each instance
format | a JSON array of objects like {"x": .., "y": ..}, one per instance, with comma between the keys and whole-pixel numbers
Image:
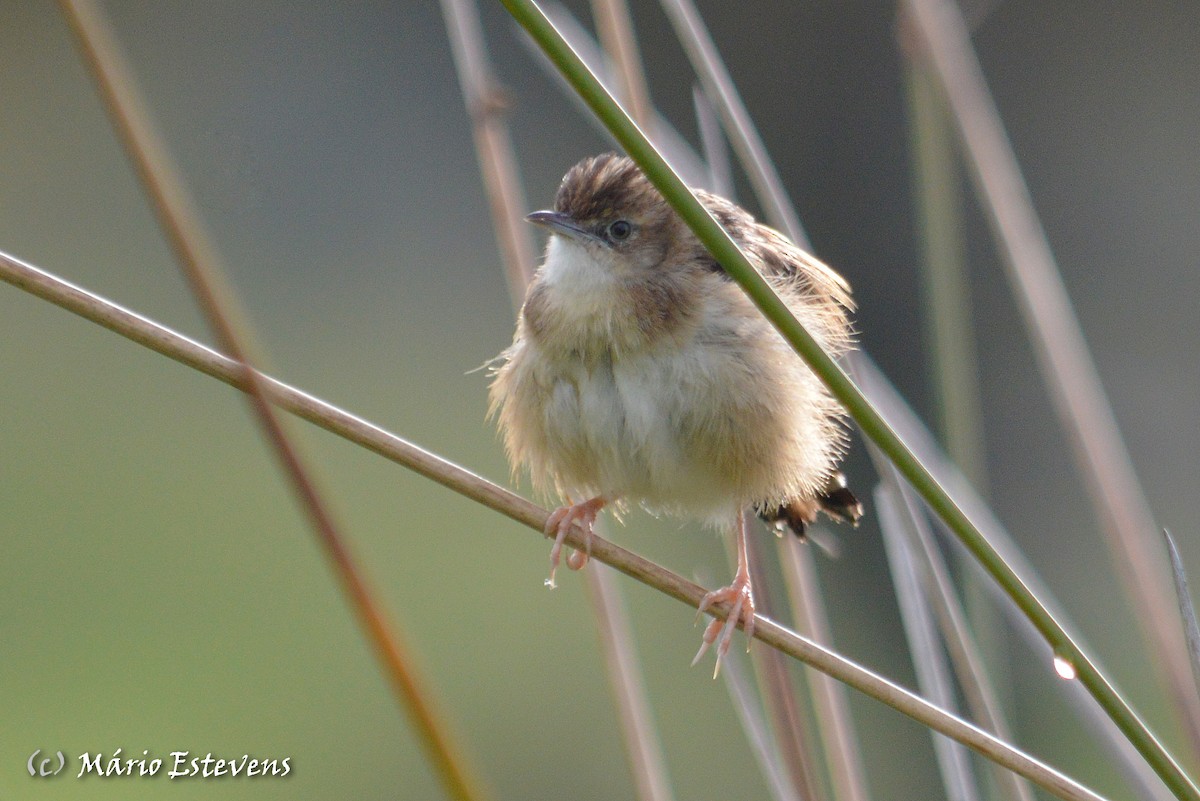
[{"x": 159, "y": 590}]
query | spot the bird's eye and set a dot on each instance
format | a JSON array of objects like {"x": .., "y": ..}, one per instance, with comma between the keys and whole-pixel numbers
[{"x": 619, "y": 230}]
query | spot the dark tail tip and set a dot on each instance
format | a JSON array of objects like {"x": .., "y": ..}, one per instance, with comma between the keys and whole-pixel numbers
[
  {"x": 837, "y": 502},
  {"x": 840, "y": 504}
]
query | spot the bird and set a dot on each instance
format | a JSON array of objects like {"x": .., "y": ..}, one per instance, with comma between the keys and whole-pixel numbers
[{"x": 641, "y": 374}]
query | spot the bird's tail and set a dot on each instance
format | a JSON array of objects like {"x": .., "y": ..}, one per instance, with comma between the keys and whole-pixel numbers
[{"x": 836, "y": 501}]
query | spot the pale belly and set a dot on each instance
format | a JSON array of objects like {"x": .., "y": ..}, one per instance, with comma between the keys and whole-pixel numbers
[
  {"x": 646, "y": 429},
  {"x": 700, "y": 428}
]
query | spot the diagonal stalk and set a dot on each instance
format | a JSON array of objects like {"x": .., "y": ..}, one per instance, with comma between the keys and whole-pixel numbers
[
  {"x": 941, "y": 41},
  {"x": 843, "y": 756},
  {"x": 498, "y": 165},
  {"x": 726, "y": 252},
  {"x": 354, "y": 429},
  {"x": 748, "y": 145},
  {"x": 928, "y": 656},
  {"x": 1137, "y": 772},
  {"x": 198, "y": 261}
]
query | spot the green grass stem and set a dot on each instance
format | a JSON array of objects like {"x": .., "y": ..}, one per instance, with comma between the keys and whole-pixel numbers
[{"x": 723, "y": 248}]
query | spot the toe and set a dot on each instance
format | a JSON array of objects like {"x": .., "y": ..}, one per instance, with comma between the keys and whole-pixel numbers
[{"x": 720, "y": 632}]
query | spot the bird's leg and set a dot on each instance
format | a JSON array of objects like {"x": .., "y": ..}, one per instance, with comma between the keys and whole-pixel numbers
[
  {"x": 560, "y": 522},
  {"x": 741, "y": 598}
]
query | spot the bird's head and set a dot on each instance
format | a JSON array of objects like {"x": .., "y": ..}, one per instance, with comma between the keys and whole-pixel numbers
[{"x": 607, "y": 211}]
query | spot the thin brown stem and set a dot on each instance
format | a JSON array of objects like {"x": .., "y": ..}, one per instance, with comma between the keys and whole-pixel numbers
[
  {"x": 928, "y": 657},
  {"x": 718, "y": 85},
  {"x": 615, "y": 29},
  {"x": 964, "y": 654},
  {"x": 648, "y": 764},
  {"x": 788, "y": 724},
  {"x": 674, "y": 147},
  {"x": 712, "y": 145},
  {"x": 324, "y": 415},
  {"x": 939, "y": 36},
  {"x": 498, "y": 164},
  {"x": 486, "y": 103},
  {"x": 199, "y": 262},
  {"x": 842, "y": 753}
]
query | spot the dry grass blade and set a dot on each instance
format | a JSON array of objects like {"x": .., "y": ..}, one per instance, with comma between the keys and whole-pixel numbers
[
  {"x": 964, "y": 652},
  {"x": 933, "y": 674},
  {"x": 497, "y": 162},
  {"x": 748, "y": 145},
  {"x": 199, "y": 262},
  {"x": 485, "y": 102},
  {"x": 648, "y": 764},
  {"x": 175, "y": 346},
  {"x": 1187, "y": 611},
  {"x": 1136, "y": 771},
  {"x": 712, "y": 145},
  {"x": 758, "y": 733},
  {"x": 950, "y": 334},
  {"x": 940, "y": 37},
  {"x": 956, "y": 635},
  {"x": 788, "y": 724},
  {"x": 835, "y": 724},
  {"x": 947, "y": 296},
  {"x": 680, "y": 154},
  {"x": 615, "y": 29}
]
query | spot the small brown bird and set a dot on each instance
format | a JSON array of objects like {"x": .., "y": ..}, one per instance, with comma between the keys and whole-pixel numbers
[{"x": 640, "y": 373}]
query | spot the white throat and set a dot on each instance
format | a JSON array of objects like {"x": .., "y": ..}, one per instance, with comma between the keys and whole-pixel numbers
[{"x": 582, "y": 279}]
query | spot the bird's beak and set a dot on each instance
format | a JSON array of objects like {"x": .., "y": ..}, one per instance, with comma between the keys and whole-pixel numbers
[{"x": 559, "y": 223}]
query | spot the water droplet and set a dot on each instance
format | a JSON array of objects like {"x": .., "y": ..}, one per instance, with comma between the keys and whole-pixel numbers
[{"x": 1064, "y": 667}]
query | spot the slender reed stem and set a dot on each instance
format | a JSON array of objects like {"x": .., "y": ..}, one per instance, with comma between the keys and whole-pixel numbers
[
  {"x": 647, "y": 763},
  {"x": 681, "y": 155},
  {"x": 615, "y": 29},
  {"x": 354, "y": 429},
  {"x": 199, "y": 262},
  {"x": 929, "y": 660},
  {"x": 940, "y": 38},
  {"x": 498, "y": 164},
  {"x": 1187, "y": 611},
  {"x": 791, "y": 736},
  {"x": 748, "y": 708},
  {"x": 485, "y": 102},
  {"x": 951, "y": 338},
  {"x": 712, "y": 145},
  {"x": 718, "y": 85},
  {"x": 950, "y": 334},
  {"x": 842, "y": 753},
  {"x": 964, "y": 654},
  {"x": 726, "y": 252}
]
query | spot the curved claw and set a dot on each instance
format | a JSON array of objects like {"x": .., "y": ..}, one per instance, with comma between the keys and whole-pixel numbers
[
  {"x": 739, "y": 594},
  {"x": 560, "y": 522}
]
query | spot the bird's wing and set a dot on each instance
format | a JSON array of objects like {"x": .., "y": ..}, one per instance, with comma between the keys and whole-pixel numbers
[{"x": 787, "y": 259}]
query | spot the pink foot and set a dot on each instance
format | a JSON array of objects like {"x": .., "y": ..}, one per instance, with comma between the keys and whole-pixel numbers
[
  {"x": 741, "y": 600},
  {"x": 560, "y": 522}
]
